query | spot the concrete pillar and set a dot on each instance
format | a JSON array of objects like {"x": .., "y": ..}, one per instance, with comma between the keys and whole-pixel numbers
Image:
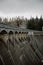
[
  {"x": 20, "y": 34},
  {"x": 4, "y": 37},
  {"x": 25, "y": 35},
  {"x": 11, "y": 39}
]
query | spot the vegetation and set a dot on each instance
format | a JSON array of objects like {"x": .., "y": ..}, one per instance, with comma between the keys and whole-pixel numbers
[
  {"x": 32, "y": 23},
  {"x": 35, "y": 24}
]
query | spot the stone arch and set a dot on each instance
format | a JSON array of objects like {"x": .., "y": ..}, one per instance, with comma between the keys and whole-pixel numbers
[
  {"x": 3, "y": 32},
  {"x": 16, "y": 32},
  {"x": 19, "y": 32},
  {"x": 11, "y": 32},
  {"x": 22, "y": 32}
]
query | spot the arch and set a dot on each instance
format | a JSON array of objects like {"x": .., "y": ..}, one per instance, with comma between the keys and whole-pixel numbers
[
  {"x": 22, "y": 32},
  {"x": 3, "y": 32},
  {"x": 11, "y": 32},
  {"x": 19, "y": 32},
  {"x": 16, "y": 32}
]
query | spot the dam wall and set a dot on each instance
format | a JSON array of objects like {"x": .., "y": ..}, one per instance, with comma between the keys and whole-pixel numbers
[{"x": 20, "y": 46}]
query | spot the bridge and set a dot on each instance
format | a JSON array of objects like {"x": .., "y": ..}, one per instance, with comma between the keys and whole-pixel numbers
[
  {"x": 8, "y": 30},
  {"x": 13, "y": 28},
  {"x": 20, "y": 46}
]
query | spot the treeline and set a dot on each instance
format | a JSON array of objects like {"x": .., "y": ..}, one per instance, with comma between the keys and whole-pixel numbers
[
  {"x": 35, "y": 23},
  {"x": 32, "y": 23},
  {"x": 14, "y": 21}
]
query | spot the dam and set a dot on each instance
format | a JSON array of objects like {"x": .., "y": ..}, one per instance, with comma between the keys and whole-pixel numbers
[{"x": 20, "y": 46}]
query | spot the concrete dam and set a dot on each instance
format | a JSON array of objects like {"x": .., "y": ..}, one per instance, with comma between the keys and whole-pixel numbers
[{"x": 20, "y": 46}]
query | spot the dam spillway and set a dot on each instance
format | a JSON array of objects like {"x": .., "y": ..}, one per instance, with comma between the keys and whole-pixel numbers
[{"x": 21, "y": 48}]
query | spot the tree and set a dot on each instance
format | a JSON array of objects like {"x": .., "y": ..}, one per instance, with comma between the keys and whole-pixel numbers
[
  {"x": 5, "y": 20},
  {"x": 0, "y": 19},
  {"x": 31, "y": 24},
  {"x": 40, "y": 23},
  {"x": 35, "y": 24}
]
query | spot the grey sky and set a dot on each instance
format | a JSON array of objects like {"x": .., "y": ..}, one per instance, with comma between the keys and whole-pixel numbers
[{"x": 26, "y": 8}]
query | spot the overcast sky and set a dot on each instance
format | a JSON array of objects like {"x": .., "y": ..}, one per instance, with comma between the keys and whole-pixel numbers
[{"x": 26, "y": 8}]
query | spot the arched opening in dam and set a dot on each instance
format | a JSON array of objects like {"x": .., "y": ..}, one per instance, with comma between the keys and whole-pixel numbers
[
  {"x": 16, "y": 32},
  {"x": 3, "y": 32},
  {"x": 11, "y": 32},
  {"x": 19, "y": 32}
]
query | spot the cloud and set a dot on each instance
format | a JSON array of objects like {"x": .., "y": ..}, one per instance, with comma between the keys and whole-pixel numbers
[
  {"x": 2, "y": 1},
  {"x": 16, "y": 7}
]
